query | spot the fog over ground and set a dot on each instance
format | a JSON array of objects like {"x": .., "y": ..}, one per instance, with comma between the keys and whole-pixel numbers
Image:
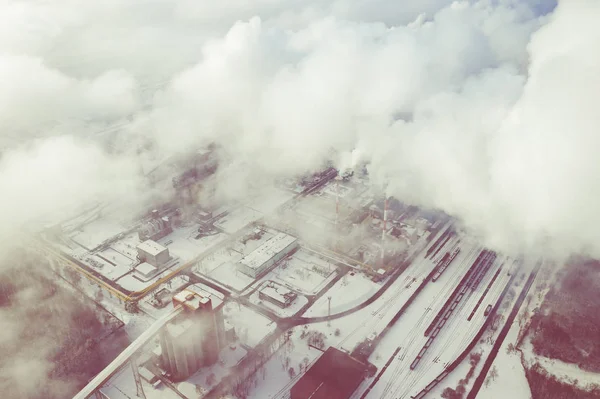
[{"x": 484, "y": 109}]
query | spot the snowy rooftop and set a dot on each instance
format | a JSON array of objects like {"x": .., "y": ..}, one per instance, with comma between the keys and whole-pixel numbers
[
  {"x": 270, "y": 248},
  {"x": 145, "y": 268},
  {"x": 151, "y": 247},
  {"x": 191, "y": 299},
  {"x": 278, "y": 292},
  {"x": 216, "y": 298}
]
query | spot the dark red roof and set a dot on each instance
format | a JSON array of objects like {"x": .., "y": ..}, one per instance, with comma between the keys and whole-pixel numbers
[{"x": 335, "y": 375}]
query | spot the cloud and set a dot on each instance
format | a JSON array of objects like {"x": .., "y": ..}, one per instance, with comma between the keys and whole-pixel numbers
[
  {"x": 484, "y": 109},
  {"x": 281, "y": 99}
]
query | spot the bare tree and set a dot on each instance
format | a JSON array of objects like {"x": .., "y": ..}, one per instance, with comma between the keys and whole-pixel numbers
[{"x": 494, "y": 373}]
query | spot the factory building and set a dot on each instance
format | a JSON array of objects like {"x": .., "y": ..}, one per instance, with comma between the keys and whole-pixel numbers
[
  {"x": 155, "y": 228},
  {"x": 277, "y": 294},
  {"x": 193, "y": 340},
  {"x": 153, "y": 253},
  {"x": 259, "y": 261}
]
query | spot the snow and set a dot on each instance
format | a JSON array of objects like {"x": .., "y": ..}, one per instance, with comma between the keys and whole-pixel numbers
[
  {"x": 215, "y": 296},
  {"x": 269, "y": 199},
  {"x": 228, "y": 274},
  {"x": 299, "y": 272},
  {"x": 276, "y": 381},
  {"x": 220, "y": 265},
  {"x": 122, "y": 385},
  {"x": 288, "y": 311},
  {"x": 238, "y": 219},
  {"x": 511, "y": 381},
  {"x": 182, "y": 242},
  {"x": 399, "y": 380},
  {"x": 228, "y": 357},
  {"x": 151, "y": 247},
  {"x": 348, "y": 292},
  {"x": 251, "y": 327},
  {"x": 94, "y": 233}
]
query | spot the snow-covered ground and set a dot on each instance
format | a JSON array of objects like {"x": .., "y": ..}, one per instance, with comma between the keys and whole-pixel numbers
[
  {"x": 275, "y": 379},
  {"x": 122, "y": 386},
  {"x": 208, "y": 377},
  {"x": 238, "y": 219},
  {"x": 348, "y": 292},
  {"x": 563, "y": 371},
  {"x": 305, "y": 272},
  {"x": 346, "y": 332},
  {"x": 250, "y": 326},
  {"x": 93, "y": 234}
]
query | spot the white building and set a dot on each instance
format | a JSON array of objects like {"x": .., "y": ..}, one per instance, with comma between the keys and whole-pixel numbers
[
  {"x": 146, "y": 269},
  {"x": 153, "y": 253},
  {"x": 259, "y": 261}
]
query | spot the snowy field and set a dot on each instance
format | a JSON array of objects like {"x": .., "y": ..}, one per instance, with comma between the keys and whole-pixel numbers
[
  {"x": 94, "y": 233},
  {"x": 348, "y": 292},
  {"x": 237, "y": 219},
  {"x": 250, "y": 327},
  {"x": 511, "y": 381}
]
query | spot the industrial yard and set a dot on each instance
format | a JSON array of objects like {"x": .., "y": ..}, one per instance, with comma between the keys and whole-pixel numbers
[{"x": 323, "y": 262}]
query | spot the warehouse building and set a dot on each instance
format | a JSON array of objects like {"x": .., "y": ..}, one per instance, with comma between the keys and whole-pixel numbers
[
  {"x": 335, "y": 375},
  {"x": 153, "y": 253},
  {"x": 277, "y": 294},
  {"x": 263, "y": 258}
]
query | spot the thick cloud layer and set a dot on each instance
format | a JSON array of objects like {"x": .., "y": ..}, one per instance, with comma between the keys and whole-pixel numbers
[{"x": 482, "y": 109}]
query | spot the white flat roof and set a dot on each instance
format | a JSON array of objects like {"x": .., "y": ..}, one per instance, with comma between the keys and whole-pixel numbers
[
  {"x": 266, "y": 251},
  {"x": 151, "y": 247},
  {"x": 145, "y": 268}
]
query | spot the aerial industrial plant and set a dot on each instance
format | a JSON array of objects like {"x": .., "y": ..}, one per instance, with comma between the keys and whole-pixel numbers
[
  {"x": 299, "y": 199},
  {"x": 319, "y": 277}
]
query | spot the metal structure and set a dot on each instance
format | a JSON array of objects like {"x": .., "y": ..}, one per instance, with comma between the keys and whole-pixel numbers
[
  {"x": 139, "y": 389},
  {"x": 384, "y": 228},
  {"x": 126, "y": 356}
]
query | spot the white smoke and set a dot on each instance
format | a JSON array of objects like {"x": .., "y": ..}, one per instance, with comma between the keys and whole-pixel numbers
[{"x": 484, "y": 109}]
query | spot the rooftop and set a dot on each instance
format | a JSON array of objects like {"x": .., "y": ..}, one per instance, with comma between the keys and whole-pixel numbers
[
  {"x": 151, "y": 247},
  {"x": 335, "y": 375},
  {"x": 278, "y": 292},
  {"x": 266, "y": 251},
  {"x": 191, "y": 299},
  {"x": 146, "y": 268}
]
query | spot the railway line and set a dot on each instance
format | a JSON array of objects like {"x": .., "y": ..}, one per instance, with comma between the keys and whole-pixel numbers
[{"x": 400, "y": 380}]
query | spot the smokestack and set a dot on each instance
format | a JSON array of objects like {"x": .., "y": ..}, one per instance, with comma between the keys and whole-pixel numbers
[{"x": 384, "y": 228}]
